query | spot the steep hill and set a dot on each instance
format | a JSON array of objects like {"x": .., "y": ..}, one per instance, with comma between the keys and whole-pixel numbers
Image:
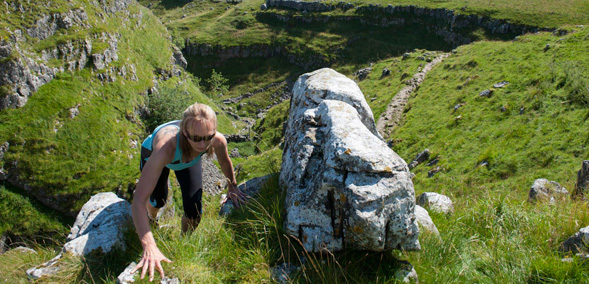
[
  {"x": 509, "y": 105},
  {"x": 77, "y": 80}
]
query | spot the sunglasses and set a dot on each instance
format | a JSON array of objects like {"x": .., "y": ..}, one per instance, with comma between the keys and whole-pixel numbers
[{"x": 197, "y": 138}]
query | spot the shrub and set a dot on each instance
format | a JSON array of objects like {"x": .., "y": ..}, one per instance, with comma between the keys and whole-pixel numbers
[{"x": 166, "y": 104}]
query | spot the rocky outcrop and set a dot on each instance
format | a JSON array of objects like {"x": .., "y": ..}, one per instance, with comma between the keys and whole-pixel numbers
[
  {"x": 99, "y": 227},
  {"x": 545, "y": 190},
  {"x": 582, "y": 180},
  {"x": 345, "y": 189},
  {"x": 451, "y": 25}
]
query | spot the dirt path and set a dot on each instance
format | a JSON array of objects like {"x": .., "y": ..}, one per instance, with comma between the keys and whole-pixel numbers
[{"x": 391, "y": 117}]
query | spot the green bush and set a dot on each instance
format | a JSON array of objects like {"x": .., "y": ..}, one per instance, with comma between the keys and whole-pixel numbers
[{"x": 167, "y": 104}]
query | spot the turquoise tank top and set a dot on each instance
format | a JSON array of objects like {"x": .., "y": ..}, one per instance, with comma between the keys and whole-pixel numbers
[{"x": 176, "y": 164}]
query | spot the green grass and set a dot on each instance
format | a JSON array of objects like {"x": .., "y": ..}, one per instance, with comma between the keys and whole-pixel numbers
[
  {"x": 493, "y": 236},
  {"x": 70, "y": 156}
]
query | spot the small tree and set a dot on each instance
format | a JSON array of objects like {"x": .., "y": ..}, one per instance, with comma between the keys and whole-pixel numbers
[
  {"x": 217, "y": 83},
  {"x": 166, "y": 104}
]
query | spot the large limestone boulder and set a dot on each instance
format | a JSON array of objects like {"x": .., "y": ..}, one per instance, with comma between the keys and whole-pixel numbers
[
  {"x": 345, "y": 187},
  {"x": 99, "y": 227}
]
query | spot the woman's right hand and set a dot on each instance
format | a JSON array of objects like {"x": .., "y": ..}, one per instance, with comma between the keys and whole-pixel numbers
[{"x": 152, "y": 258}]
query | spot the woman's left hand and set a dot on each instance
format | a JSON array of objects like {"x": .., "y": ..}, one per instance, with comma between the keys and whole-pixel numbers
[{"x": 237, "y": 197}]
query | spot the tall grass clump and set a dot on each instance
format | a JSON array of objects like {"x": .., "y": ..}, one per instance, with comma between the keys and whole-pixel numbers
[{"x": 500, "y": 239}]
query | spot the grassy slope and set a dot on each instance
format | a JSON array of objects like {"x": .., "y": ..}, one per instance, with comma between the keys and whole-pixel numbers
[
  {"x": 493, "y": 236},
  {"x": 76, "y": 157}
]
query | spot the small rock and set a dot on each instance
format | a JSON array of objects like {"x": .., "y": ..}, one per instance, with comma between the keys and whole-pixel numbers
[
  {"x": 544, "y": 190},
  {"x": 486, "y": 93},
  {"x": 406, "y": 273},
  {"x": 500, "y": 84},
  {"x": 435, "y": 202},
  {"x": 423, "y": 219},
  {"x": 547, "y": 47},
  {"x": 283, "y": 272}
]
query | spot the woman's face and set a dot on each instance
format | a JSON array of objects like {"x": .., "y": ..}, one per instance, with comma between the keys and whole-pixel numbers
[{"x": 199, "y": 134}]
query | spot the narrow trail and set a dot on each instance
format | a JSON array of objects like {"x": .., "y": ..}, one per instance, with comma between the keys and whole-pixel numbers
[{"x": 391, "y": 117}]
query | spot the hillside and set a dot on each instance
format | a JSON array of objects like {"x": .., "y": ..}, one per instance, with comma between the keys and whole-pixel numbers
[{"x": 74, "y": 135}]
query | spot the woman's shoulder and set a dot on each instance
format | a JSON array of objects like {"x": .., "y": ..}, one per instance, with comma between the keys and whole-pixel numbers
[
  {"x": 219, "y": 140},
  {"x": 165, "y": 138}
]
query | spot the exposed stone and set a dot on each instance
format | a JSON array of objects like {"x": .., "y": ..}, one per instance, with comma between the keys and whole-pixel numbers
[
  {"x": 500, "y": 84},
  {"x": 577, "y": 243},
  {"x": 126, "y": 276},
  {"x": 434, "y": 171},
  {"x": 234, "y": 153},
  {"x": 213, "y": 180},
  {"x": 486, "y": 93},
  {"x": 48, "y": 268},
  {"x": 99, "y": 225},
  {"x": 406, "y": 273},
  {"x": 283, "y": 272},
  {"x": 22, "y": 249},
  {"x": 423, "y": 219},
  {"x": 582, "y": 180},
  {"x": 345, "y": 187},
  {"x": 435, "y": 202},
  {"x": 250, "y": 188},
  {"x": 544, "y": 190},
  {"x": 420, "y": 158},
  {"x": 385, "y": 72},
  {"x": 363, "y": 73}
]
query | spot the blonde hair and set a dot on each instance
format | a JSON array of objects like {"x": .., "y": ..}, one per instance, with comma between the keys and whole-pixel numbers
[{"x": 195, "y": 113}]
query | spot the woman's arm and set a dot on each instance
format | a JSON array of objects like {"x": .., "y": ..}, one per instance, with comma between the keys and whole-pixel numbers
[
  {"x": 220, "y": 146},
  {"x": 152, "y": 257}
]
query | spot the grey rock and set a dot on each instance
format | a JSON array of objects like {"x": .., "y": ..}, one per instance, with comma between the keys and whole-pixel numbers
[
  {"x": 345, "y": 187},
  {"x": 435, "y": 202},
  {"x": 406, "y": 273},
  {"x": 283, "y": 272},
  {"x": 582, "y": 180},
  {"x": 48, "y": 268},
  {"x": 434, "y": 171},
  {"x": 126, "y": 276},
  {"x": 234, "y": 153},
  {"x": 577, "y": 243},
  {"x": 99, "y": 225},
  {"x": 213, "y": 180},
  {"x": 486, "y": 93},
  {"x": 363, "y": 73},
  {"x": 22, "y": 249},
  {"x": 544, "y": 190},
  {"x": 250, "y": 188},
  {"x": 423, "y": 219},
  {"x": 420, "y": 158},
  {"x": 500, "y": 84}
]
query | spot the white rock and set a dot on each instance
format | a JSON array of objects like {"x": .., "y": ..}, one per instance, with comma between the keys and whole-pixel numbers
[
  {"x": 425, "y": 220},
  {"x": 345, "y": 186},
  {"x": 435, "y": 202}
]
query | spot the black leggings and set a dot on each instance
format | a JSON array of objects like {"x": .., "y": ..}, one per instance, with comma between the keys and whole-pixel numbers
[{"x": 190, "y": 180}]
